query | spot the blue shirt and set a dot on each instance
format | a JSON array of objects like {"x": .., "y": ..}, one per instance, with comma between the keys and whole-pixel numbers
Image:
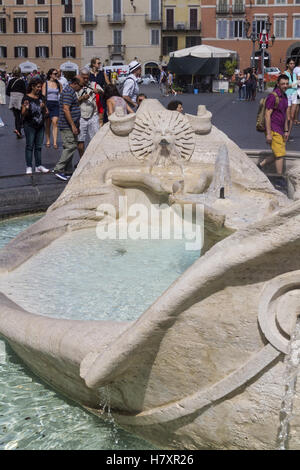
[{"x": 69, "y": 97}]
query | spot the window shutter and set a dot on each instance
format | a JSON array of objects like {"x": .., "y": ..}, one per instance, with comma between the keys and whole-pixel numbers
[
  {"x": 63, "y": 27},
  {"x": 74, "y": 25},
  {"x": 25, "y": 25},
  {"x": 16, "y": 52},
  {"x": 73, "y": 52},
  {"x": 46, "y": 25},
  {"x": 4, "y": 51},
  {"x": 37, "y": 52},
  {"x": 64, "y": 52},
  {"x": 47, "y": 52},
  {"x": 4, "y": 25},
  {"x": 231, "y": 29},
  {"x": 26, "y": 51},
  {"x": 15, "y": 25},
  {"x": 36, "y": 21}
]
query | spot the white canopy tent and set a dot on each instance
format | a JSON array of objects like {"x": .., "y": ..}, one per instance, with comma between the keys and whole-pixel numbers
[
  {"x": 203, "y": 52},
  {"x": 69, "y": 67},
  {"x": 28, "y": 67}
]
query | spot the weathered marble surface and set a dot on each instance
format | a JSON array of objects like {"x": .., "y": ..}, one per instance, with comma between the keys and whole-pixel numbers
[{"x": 202, "y": 367}]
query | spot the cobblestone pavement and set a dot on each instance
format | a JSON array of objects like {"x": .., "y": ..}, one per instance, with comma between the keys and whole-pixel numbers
[{"x": 235, "y": 118}]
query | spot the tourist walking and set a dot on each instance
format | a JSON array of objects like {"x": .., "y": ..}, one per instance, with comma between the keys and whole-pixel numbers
[
  {"x": 51, "y": 90},
  {"x": 34, "y": 111},
  {"x": 291, "y": 92},
  {"x": 251, "y": 84},
  {"x": 89, "y": 120},
  {"x": 114, "y": 100},
  {"x": 163, "y": 81},
  {"x": 68, "y": 123},
  {"x": 16, "y": 90},
  {"x": 241, "y": 79},
  {"x": 277, "y": 126},
  {"x": 131, "y": 87},
  {"x": 170, "y": 84},
  {"x": 62, "y": 79},
  {"x": 98, "y": 75}
]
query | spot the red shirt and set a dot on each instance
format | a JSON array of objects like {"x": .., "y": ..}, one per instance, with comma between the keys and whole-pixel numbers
[{"x": 279, "y": 114}]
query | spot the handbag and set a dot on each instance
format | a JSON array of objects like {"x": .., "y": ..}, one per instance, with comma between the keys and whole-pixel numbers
[{"x": 99, "y": 102}]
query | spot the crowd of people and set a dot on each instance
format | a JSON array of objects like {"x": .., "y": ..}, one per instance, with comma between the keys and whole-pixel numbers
[{"x": 44, "y": 105}]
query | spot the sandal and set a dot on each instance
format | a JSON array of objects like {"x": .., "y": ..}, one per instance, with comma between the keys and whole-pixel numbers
[
  {"x": 55, "y": 146},
  {"x": 48, "y": 146}
]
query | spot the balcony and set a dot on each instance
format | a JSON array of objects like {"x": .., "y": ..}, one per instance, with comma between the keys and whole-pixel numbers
[
  {"x": 153, "y": 20},
  {"x": 222, "y": 9},
  {"x": 182, "y": 26},
  {"x": 116, "y": 50},
  {"x": 88, "y": 20},
  {"x": 238, "y": 8},
  {"x": 116, "y": 19}
]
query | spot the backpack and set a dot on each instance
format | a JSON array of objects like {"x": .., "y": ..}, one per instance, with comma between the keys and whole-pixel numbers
[
  {"x": 121, "y": 87},
  {"x": 260, "y": 119}
]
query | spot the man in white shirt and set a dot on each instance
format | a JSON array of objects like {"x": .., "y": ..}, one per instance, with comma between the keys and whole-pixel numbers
[{"x": 131, "y": 87}]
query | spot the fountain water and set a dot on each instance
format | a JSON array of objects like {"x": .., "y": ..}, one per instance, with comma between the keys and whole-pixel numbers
[{"x": 292, "y": 363}]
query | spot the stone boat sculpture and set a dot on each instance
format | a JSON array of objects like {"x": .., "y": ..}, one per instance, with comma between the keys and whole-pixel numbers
[{"x": 203, "y": 366}]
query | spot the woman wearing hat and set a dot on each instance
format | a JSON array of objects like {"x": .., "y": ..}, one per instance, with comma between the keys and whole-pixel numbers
[{"x": 131, "y": 87}]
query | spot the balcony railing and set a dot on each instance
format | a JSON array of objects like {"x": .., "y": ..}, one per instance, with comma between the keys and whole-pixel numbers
[
  {"x": 153, "y": 19},
  {"x": 182, "y": 26},
  {"x": 238, "y": 8},
  {"x": 116, "y": 18},
  {"x": 116, "y": 49},
  {"x": 88, "y": 20},
  {"x": 222, "y": 9}
]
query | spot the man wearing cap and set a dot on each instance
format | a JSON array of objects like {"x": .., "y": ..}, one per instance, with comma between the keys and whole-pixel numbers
[{"x": 131, "y": 87}]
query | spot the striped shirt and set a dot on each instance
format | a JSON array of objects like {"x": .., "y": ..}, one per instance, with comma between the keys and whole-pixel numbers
[{"x": 69, "y": 97}]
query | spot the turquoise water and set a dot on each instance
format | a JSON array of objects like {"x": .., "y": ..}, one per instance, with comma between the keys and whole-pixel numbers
[{"x": 77, "y": 276}]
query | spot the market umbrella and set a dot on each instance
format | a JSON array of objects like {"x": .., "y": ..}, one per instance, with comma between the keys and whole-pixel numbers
[
  {"x": 28, "y": 67},
  {"x": 198, "y": 60}
]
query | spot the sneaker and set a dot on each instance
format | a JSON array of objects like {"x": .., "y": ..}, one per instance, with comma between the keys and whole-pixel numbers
[
  {"x": 61, "y": 176},
  {"x": 28, "y": 170},
  {"x": 41, "y": 169}
]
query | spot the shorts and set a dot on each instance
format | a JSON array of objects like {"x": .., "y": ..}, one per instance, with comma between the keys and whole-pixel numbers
[
  {"x": 292, "y": 99},
  {"x": 88, "y": 127},
  {"x": 278, "y": 145},
  {"x": 53, "y": 108}
]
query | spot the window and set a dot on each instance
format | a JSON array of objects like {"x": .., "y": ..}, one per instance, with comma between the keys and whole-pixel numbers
[
  {"x": 68, "y": 6},
  {"x": 170, "y": 18},
  {"x": 280, "y": 2},
  {"x": 280, "y": 27},
  {"x": 21, "y": 51},
  {"x": 2, "y": 25},
  {"x": 69, "y": 52},
  {"x": 258, "y": 26},
  {"x": 155, "y": 33},
  {"x": 89, "y": 10},
  {"x": 170, "y": 44},
  {"x": 261, "y": 2},
  {"x": 42, "y": 51},
  {"x": 117, "y": 10},
  {"x": 41, "y": 2},
  {"x": 237, "y": 29},
  {"x": 222, "y": 29},
  {"x": 155, "y": 10},
  {"x": 297, "y": 28},
  {"x": 41, "y": 25},
  {"x": 193, "y": 18},
  {"x": 89, "y": 38},
  {"x": 20, "y": 25},
  {"x": 68, "y": 25},
  {"x": 191, "y": 41},
  {"x": 3, "y": 51},
  {"x": 20, "y": 2}
]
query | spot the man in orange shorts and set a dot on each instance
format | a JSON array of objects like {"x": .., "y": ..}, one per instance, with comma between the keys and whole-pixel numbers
[{"x": 277, "y": 126}]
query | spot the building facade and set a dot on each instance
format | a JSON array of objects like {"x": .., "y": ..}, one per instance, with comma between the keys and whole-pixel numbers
[
  {"x": 45, "y": 32},
  {"x": 119, "y": 31},
  {"x": 181, "y": 26},
  {"x": 224, "y": 24}
]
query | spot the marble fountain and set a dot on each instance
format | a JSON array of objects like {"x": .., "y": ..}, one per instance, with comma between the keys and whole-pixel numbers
[{"x": 203, "y": 367}]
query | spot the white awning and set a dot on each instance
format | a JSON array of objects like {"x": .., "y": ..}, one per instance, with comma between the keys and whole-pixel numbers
[
  {"x": 203, "y": 52},
  {"x": 27, "y": 67},
  {"x": 69, "y": 67}
]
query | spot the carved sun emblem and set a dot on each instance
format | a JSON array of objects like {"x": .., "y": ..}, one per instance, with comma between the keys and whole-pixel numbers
[{"x": 165, "y": 133}]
